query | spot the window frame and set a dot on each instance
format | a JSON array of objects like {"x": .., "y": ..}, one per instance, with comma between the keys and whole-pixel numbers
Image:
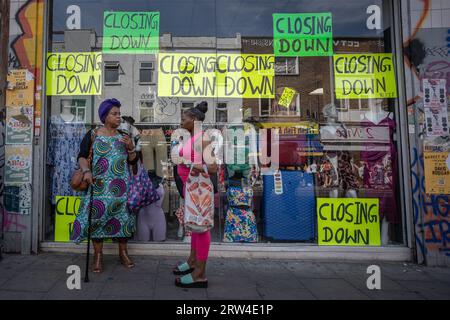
[
  {"x": 152, "y": 70},
  {"x": 111, "y": 64}
]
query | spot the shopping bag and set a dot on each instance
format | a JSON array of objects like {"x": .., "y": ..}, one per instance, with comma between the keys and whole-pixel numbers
[
  {"x": 142, "y": 192},
  {"x": 199, "y": 202}
]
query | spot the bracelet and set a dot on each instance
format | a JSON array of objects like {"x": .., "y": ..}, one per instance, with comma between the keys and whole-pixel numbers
[
  {"x": 132, "y": 151},
  {"x": 86, "y": 170}
]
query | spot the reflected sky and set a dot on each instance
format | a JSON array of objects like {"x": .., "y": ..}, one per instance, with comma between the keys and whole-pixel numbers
[{"x": 222, "y": 18}]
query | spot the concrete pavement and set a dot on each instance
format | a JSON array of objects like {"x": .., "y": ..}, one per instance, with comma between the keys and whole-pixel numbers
[{"x": 44, "y": 277}]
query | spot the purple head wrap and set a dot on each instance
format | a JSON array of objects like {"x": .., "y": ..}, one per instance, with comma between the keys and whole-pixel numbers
[{"x": 105, "y": 108}]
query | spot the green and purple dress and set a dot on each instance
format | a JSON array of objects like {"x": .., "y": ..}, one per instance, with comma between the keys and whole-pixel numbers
[{"x": 110, "y": 215}]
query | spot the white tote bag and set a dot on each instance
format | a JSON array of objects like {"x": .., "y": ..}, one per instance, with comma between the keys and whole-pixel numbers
[{"x": 199, "y": 202}]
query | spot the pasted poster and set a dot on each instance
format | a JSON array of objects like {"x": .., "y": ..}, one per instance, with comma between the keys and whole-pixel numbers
[
  {"x": 19, "y": 125},
  {"x": 303, "y": 34},
  {"x": 437, "y": 173},
  {"x": 20, "y": 88},
  {"x": 130, "y": 32},
  {"x": 74, "y": 73},
  {"x": 17, "y": 199},
  {"x": 435, "y": 107},
  {"x": 364, "y": 76},
  {"x": 348, "y": 222},
  {"x": 18, "y": 164},
  {"x": 216, "y": 75},
  {"x": 66, "y": 212}
]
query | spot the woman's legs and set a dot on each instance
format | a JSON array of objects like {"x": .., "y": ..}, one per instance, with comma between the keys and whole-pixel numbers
[
  {"x": 203, "y": 242},
  {"x": 123, "y": 253},
  {"x": 193, "y": 256},
  {"x": 97, "y": 266}
]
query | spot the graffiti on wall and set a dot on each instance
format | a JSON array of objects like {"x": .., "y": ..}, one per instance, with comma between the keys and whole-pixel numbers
[
  {"x": 25, "y": 52},
  {"x": 426, "y": 56}
]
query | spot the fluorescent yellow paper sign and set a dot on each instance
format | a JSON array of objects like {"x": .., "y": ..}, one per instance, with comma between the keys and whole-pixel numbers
[
  {"x": 287, "y": 97},
  {"x": 364, "y": 76},
  {"x": 216, "y": 75},
  {"x": 348, "y": 222},
  {"x": 66, "y": 212},
  {"x": 75, "y": 73}
]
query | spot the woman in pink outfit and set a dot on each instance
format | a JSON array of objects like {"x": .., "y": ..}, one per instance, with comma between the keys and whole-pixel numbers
[{"x": 193, "y": 271}]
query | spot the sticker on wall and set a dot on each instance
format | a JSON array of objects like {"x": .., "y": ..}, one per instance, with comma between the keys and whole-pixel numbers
[
  {"x": 287, "y": 97},
  {"x": 303, "y": 34},
  {"x": 364, "y": 76},
  {"x": 437, "y": 173},
  {"x": 66, "y": 212},
  {"x": 131, "y": 32},
  {"x": 74, "y": 73},
  {"x": 435, "y": 107},
  {"x": 348, "y": 222},
  {"x": 20, "y": 88},
  {"x": 216, "y": 76},
  {"x": 19, "y": 125},
  {"x": 18, "y": 164},
  {"x": 18, "y": 199}
]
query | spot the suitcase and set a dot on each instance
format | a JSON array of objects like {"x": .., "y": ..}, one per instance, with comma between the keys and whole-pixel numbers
[{"x": 291, "y": 214}]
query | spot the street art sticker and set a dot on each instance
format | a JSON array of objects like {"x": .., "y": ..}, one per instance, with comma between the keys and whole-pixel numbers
[
  {"x": 18, "y": 164},
  {"x": 364, "y": 76},
  {"x": 71, "y": 74},
  {"x": 19, "y": 125},
  {"x": 437, "y": 174},
  {"x": 216, "y": 75},
  {"x": 131, "y": 32},
  {"x": 435, "y": 107},
  {"x": 303, "y": 34},
  {"x": 66, "y": 212},
  {"x": 20, "y": 88},
  {"x": 348, "y": 222},
  {"x": 287, "y": 97}
]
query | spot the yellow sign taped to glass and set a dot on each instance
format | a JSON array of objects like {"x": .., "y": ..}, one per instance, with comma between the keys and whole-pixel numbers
[
  {"x": 287, "y": 97},
  {"x": 348, "y": 221},
  {"x": 74, "y": 73},
  {"x": 66, "y": 212},
  {"x": 364, "y": 76},
  {"x": 216, "y": 75}
]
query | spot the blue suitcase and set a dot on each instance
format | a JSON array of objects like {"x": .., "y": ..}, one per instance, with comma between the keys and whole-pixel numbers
[{"x": 290, "y": 215}]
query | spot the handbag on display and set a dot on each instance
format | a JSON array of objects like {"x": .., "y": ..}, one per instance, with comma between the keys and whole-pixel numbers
[
  {"x": 199, "y": 202},
  {"x": 76, "y": 182},
  {"x": 142, "y": 192}
]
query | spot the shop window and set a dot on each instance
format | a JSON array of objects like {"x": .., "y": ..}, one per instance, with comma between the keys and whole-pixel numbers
[
  {"x": 147, "y": 112},
  {"x": 221, "y": 112},
  {"x": 112, "y": 71},
  {"x": 146, "y": 73},
  {"x": 274, "y": 109},
  {"x": 286, "y": 66}
]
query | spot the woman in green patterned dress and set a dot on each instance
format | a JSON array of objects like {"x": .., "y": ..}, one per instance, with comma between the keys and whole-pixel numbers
[{"x": 109, "y": 178}]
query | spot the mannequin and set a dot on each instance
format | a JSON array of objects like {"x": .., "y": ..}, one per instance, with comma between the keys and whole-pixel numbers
[
  {"x": 381, "y": 173},
  {"x": 67, "y": 114}
]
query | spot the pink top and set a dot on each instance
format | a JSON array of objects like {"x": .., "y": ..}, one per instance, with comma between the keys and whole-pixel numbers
[{"x": 183, "y": 170}]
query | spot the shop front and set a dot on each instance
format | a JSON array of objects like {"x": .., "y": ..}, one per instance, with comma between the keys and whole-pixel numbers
[{"x": 305, "y": 99}]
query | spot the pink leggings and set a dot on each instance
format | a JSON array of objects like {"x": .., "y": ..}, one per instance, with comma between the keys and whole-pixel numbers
[{"x": 200, "y": 244}]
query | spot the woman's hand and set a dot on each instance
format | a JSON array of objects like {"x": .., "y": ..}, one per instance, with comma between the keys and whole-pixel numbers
[
  {"x": 128, "y": 142},
  {"x": 88, "y": 178}
]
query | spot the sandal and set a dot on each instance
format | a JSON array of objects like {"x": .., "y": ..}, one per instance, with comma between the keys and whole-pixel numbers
[
  {"x": 182, "y": 269},
  {"x": 188, "y": 282}
]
